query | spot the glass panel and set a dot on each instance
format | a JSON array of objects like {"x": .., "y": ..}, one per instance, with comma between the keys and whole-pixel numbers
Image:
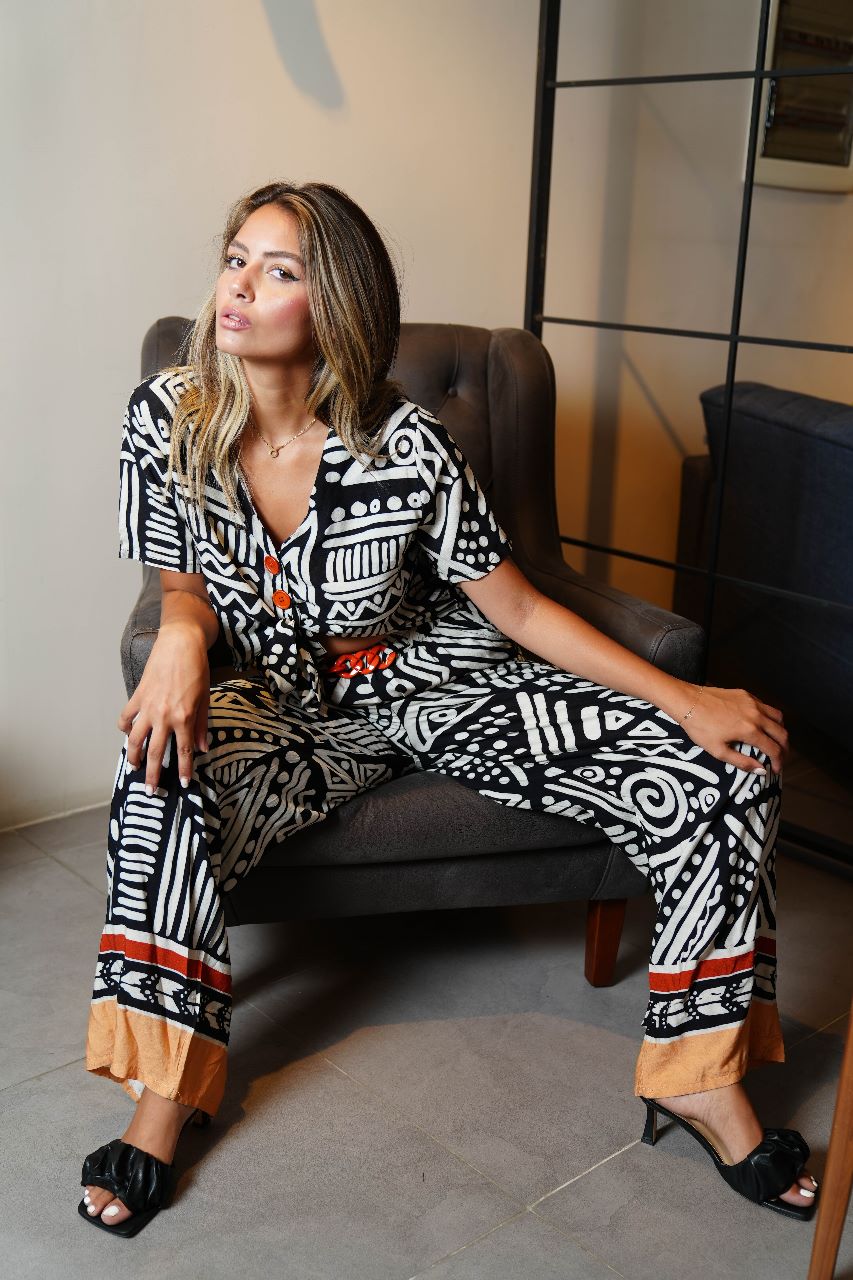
[
  {"x": 827, "y": 374},
  {"x": 787, "y": 513},
  {"x": 788, "y": 522},
  {"x": 631, "y": 456},
  {"x": 646, "y": 197},
  {"x": 800, "y": 236},
  {"x": 796, "y": 656},
  {"x": 600, "y": 39}
]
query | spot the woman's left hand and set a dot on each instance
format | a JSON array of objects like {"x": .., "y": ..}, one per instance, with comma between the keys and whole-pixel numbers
[{"x": 725, "y": 716}]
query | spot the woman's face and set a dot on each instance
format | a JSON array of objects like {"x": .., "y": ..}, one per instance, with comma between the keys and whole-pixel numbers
[{"x": 263, "y": 286}]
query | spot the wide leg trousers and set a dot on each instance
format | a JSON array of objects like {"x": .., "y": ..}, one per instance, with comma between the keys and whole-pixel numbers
[{"x": 523, "y": 733}]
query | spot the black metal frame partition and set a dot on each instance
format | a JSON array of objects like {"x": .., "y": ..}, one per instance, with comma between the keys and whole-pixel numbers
[{"x": 808, "y": 844}]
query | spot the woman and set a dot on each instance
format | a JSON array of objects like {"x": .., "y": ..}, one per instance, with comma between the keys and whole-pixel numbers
[{"x": 291, "y": 494}]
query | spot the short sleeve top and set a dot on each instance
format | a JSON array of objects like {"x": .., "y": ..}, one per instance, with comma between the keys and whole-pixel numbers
[{"x": 380, "y": 551}]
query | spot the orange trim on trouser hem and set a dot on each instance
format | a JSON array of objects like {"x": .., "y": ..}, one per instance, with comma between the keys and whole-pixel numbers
[
  {"x": 710, "y": 1059},
  {"x": 126, "y": 1046},
  {"x": 666, "y": 981},
  {"x": 165, "y": 957}
]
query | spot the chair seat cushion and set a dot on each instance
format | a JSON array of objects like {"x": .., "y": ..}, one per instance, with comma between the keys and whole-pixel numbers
[{"x": 425, "y": 815}]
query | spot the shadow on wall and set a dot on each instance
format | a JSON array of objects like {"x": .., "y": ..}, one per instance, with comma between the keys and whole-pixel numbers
[{"x": 306, "y": 60}]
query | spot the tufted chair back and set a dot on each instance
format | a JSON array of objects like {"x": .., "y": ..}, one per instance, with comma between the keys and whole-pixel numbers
[{"x": 494, "y": 391}]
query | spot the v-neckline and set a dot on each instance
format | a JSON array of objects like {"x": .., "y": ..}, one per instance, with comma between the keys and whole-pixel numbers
[{"x": 312, "y": 500}]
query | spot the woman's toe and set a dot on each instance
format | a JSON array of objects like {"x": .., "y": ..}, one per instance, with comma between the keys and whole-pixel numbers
[
  {"x": 802, "y": 1192},
  {"x": 100, "y": 1201},
  {"x": 95, "y": 1198},
  {"x": 114, "y": 1212}
]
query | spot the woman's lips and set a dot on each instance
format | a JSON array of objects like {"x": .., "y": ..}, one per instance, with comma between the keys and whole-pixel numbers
[{"x": 232, "y": 321}]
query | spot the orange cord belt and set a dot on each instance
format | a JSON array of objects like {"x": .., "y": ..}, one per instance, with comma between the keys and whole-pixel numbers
[{"x": 359, "y": 661}]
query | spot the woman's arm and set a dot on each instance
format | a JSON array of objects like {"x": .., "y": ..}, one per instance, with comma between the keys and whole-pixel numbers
[
  {"x": 185, "y": 601},
  {"x": 561, "y": 637},
  {"x": 173, "y": 695}
]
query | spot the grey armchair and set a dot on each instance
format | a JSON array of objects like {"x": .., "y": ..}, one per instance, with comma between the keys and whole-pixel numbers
[{"x": 423, "y": 841}]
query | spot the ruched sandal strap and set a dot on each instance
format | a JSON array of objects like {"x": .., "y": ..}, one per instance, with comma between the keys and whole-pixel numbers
[
  {"x": 137, "y": 1178},
  {"x": 771, "y": 1168}
]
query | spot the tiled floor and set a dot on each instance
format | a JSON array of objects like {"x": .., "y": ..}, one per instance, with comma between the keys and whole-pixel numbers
[{"x": 437, "y": 1095}]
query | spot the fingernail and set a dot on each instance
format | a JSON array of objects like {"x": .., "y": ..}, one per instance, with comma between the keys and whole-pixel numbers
[
  {"x": 185, "y": 782},
  {"x": 149, "y": 790},
  {"x": 110, "y": 1211}
]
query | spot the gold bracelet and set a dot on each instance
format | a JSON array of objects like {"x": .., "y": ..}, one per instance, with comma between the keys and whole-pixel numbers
[{"x": 693, "y": 708}]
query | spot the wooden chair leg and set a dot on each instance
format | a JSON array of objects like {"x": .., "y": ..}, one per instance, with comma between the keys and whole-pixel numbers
[
  {"x": 837, "y": 1173},
  {"x": 604, "y": 920}
]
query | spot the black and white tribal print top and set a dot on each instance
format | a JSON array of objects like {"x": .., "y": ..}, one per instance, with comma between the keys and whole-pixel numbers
[{"x": 380, "y": 552}]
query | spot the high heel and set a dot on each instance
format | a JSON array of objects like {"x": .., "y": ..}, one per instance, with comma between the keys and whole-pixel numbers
[
  {"x": 142, "y": 1182},
  {"x": 760, "y": 1176}
]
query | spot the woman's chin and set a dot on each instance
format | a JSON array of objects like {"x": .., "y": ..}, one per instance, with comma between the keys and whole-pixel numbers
[{"x": 225, "y": 343}]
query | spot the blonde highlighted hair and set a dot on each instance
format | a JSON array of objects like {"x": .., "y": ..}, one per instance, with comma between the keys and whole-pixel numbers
[{"x": 354, "y": 303}]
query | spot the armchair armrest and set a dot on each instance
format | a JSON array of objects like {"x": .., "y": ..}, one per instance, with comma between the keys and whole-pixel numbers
[
  {"x": 668, "y": 641},
  {"x": 141, "y": 629}
]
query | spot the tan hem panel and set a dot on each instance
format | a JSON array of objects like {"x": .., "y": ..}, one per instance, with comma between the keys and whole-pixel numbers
[
  {"x": 125, "y": 1045},
  {"x": 710, "y": 1059}
]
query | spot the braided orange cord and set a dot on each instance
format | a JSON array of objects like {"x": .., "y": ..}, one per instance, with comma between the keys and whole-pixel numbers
[{"x": 361, "y": 660}]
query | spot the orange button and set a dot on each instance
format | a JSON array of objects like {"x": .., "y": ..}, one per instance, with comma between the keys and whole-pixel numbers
[
  {"x": 271, "y": 564},
  {"x": 281, "y": 598}
]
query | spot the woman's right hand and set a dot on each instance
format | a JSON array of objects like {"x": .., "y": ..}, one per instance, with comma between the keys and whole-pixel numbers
[{"x": 173, "y": 696}]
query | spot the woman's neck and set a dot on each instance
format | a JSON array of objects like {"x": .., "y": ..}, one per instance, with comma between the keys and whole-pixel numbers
[{"x": 278, "y": 398}]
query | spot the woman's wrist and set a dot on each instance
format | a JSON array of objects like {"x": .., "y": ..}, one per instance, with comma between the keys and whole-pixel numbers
[{"x": 682, "y": 701}]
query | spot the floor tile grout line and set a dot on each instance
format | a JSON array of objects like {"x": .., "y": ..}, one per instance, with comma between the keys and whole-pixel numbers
[
  {"x": 55, "y": 817},
  {"x": 597, "y": 1165},
  {"x": 474, "y": 1240},
  {"x": 454, "y": 1155},
  {"x": 383, "y": 1097},
  {"x": 40, "y": 1074},
  {"x": 57, "y": 862},
  {"x": 405, "y": 1115},
  {"x": 560, "y": 1229},
  {"x": 817, "y": 1031},
  {"x": 485, "y": 1234}
]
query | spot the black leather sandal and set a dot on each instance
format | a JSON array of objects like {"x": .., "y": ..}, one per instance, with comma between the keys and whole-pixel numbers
[
  {"x": 138, "y": 1179},
  {"x": 760, "y": 1176}
]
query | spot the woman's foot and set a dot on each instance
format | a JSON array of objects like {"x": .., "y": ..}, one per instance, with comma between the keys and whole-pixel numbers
[
  {"x": 156, "y": 1126},
  {"x": 734, "y": 1128}
]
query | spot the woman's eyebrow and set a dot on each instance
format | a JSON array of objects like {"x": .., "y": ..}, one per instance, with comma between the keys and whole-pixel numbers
[{"x": 272, "y": 253}]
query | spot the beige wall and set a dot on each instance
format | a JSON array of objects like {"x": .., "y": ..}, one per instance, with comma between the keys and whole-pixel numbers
[
  {"x": 136, "y": 125},
  {"x": 129, "y": 129}
]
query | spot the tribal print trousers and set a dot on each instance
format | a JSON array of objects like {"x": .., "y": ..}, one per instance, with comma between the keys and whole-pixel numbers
[{"x": 525, "y": 734}]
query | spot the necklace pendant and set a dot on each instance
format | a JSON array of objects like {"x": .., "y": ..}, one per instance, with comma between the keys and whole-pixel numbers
[{"x": 275, "y": 452}]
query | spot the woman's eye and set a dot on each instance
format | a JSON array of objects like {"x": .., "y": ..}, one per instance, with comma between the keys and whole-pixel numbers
[
  {"x": 231, "y": 257},
  {"x": 287, "y": 274}
]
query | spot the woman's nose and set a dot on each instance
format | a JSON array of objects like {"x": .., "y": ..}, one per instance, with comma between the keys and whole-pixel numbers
[{"x": 240, "y": 287}]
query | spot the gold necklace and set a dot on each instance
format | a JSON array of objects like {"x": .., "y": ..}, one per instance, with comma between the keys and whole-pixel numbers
[{"x": 275, "y": 450}]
